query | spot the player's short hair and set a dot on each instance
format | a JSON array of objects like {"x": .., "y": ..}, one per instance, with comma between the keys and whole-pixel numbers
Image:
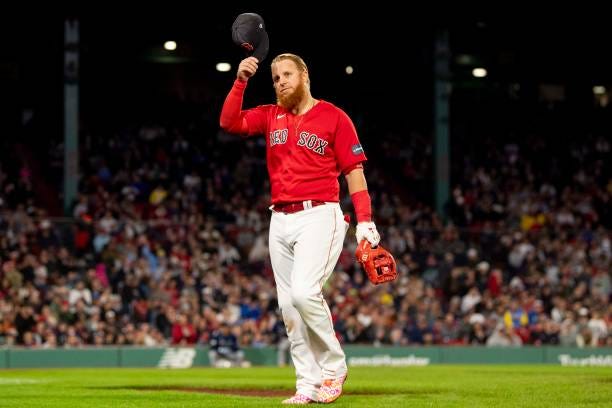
[{"x": 298, "y": 61}]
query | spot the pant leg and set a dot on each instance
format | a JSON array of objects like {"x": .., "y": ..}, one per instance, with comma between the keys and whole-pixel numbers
[
  {"x": 237, "y": 357},
  {"x": 319, "y": 236},
  {"x": 213, "y": 357},
  {"x": 307, "y": 370}
]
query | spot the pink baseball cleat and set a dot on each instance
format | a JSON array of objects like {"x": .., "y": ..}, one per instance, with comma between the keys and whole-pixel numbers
[
  {"x": 299, "y": 399},
  {"x": 331, "y": 390}
]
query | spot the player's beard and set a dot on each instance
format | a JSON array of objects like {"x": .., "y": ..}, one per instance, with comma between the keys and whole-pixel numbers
[{"x": 293, "y": 99}]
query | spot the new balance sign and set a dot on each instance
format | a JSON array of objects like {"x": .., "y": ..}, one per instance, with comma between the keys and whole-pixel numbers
[{"x": 177, "y": 358}]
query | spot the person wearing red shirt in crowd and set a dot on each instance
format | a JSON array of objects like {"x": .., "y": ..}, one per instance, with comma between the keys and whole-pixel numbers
[{"x": 183, "y": 332}]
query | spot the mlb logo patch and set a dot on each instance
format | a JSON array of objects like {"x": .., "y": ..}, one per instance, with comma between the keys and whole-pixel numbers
[{"x": 357, "y": 149}]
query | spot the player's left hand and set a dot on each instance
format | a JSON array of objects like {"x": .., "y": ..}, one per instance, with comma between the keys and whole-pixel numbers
[{"x": 367, "y": 230}]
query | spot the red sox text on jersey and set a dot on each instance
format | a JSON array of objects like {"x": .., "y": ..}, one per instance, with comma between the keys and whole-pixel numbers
[{"x": 308, "y": 140}]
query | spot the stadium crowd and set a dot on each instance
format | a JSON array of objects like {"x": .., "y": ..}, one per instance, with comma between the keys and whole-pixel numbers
[{"x": 168, "y": 241}]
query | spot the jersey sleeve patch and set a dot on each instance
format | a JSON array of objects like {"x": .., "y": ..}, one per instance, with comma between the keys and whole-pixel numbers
[{"x": 357, "y": 149}]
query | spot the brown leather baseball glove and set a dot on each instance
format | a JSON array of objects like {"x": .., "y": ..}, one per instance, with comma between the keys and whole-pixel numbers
[{"x": 377, "y": 262}]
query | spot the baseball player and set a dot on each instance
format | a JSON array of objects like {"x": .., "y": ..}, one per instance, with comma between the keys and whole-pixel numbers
[{"x": 309, "y": 142}]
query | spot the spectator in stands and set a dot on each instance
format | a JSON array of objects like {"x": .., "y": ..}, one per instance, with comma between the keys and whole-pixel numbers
[
  {"x": 183, "y": 332},
  {"x": 598, "y": 328},
  {"x": 79, "y": 292},
  {"x": 503, "y": 337},
  {"x": 24, "y": 323}
]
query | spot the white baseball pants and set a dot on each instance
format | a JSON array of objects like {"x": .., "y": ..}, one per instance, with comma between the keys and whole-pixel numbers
[{"x": 304, "y": 249}]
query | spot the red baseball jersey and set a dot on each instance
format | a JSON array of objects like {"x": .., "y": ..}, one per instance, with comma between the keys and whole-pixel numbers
[{"x": 306, "y": 153}]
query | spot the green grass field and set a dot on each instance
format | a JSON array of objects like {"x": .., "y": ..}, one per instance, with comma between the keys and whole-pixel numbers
[{"x": 433, "y": 386}]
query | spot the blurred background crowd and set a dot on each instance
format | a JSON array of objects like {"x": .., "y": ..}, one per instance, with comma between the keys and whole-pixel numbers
[{"x": 169, "y": 238}]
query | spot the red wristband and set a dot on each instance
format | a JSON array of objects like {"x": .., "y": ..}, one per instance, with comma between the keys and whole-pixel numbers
[{"x": 363, "y": 206}]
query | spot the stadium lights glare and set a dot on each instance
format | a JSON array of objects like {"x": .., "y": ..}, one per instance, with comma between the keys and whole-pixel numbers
[
  {"x": 479, "y": 72},
  {"x": 223, "y": 67},
  {"x": 599, "y": 90},
  {"x": 348, "y": 70},
  {"x": 170, "y": 45}
]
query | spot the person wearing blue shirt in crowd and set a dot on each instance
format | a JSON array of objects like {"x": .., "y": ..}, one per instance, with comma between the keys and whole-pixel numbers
[{"x": 224, "y": 349}]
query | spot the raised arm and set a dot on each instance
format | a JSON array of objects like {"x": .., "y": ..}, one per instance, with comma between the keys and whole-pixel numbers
[{"x": 232, "y": 116}]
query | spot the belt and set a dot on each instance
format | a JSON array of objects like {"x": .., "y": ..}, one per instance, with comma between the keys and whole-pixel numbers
[{"x": 290, "y": 208}]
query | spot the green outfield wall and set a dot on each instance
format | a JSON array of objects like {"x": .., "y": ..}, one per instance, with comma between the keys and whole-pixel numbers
[{"x": 171, "y": 357}]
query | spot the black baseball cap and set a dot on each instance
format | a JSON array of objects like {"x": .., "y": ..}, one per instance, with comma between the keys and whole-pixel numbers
[{"x": 249, "y": 32}]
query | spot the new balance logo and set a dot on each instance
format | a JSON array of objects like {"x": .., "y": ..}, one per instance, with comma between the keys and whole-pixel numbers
[{"x": 177, "y": 358}]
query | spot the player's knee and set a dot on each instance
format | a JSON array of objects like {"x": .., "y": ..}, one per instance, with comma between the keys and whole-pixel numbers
[
  {"x": 285, "y": 304},
  {"x": 300, "y": 299}
]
